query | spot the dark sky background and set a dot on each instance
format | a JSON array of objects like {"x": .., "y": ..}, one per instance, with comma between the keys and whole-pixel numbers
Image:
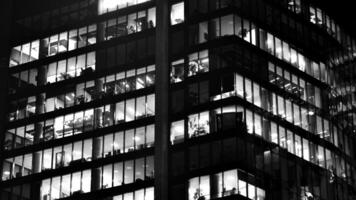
[{"x": 344, "y": 11}]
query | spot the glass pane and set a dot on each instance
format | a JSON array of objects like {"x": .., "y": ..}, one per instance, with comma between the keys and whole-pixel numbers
[
  {"x": 227, "y": 27},
  {"x": 177, "y": 13},
  {"x": 150, "y": 135},
  {"x": 140, "y": 107},
  {"x": 140, "y": 138},
  {"x": 86, "y": 181},
  {"x": 46, "y": 189},
  {"x": 118, "y": 173},
  {"x": 65, "y": 186},
  {"x": 177, "y": 132},
  {"x": 55, "y": 190},
  {"x": 129, "y": 140},
  {"x": 107, "y": 176},
  {"x": 149, "y": 168},
  {"x": 230, "y": 182},
  {"x": 130, "y": 110},
  {"x": 76, "y": 180},
  {"x": 150, "y": 109},
  {"x": 139, "y": 169},
  {"x": 129, "y": 166}
]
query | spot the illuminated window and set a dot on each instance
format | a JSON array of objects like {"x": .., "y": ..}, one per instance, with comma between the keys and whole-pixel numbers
[
  {"x": 177, "y": 13},
  {"x": 112, "y": 5},
  {"x": 198, "y": 124},
  {"x": 199, "y": 188},
  {"x": 177, "y": 71},
  {"x": 177, "y": 132},
  {"x": 198, "y": 63},
  {"x": 24, "y": 53}
]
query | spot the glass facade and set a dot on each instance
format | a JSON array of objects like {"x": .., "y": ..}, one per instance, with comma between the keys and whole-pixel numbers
[{"x": 260, "y": 102}]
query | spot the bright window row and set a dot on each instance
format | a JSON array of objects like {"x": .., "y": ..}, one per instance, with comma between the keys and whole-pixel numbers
[
  {"x": 127, "y": 172},
  {"x": 53, "y": 45},
  {"x": 106, "y": 6},
  {"x": 280, "y": 106},
  {"x": 55, "y": 72},
  {"x": 128, "y": 24},
  {"x": 72, "y": 67},
  {"x": 79, "y": 152},
  {"x": 246, "y": 30},
  {"x": 68, "y": 41},
  {"x": 107, "y": 176},
  {"x": 88, "y": 91},
  {"x": 236, "y": 117},
  {"x": 125, "y": 141},
  {"x": 297, "y": 145},
  {"x": 82, "y": 121},
  {"x": 17, "y": 167},
  {"x": 304, "y": 117},
  {"x": 294, "y": 85},
  {"x": 53, "y": 158},
  {"x": 143, "y": 194},
  {"x": 223, "y": 184},
  {"x": 283, "y": 107},
  {"x": 66, "y": 185},
  {"x": 25, "y": 53}
]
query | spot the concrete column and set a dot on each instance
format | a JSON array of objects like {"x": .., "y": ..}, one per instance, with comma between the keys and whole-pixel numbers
[
  {"x": 99, "y": 88},
  {"x": 97, "y": 142},
  {"x": 265, "y": 129},
  {"x": 96, "y": 172},
  {"x": 101, "y": 32},
  {"x": 40, "y": 109},
  {"x": 42, "y": 76},
  {"x": 100, "y": 55},
  {"x": 265, "y": 100},
  {"x": 43, "y": 51},
  {"x": 40, "y": 102},
  {"x": 36, "y": 162},
  {"x": 96, "y": 179},
  {"x": 111, "y": 115},
  {"x": 162, "y": 100},
  {"x": 98, "y": 118}
]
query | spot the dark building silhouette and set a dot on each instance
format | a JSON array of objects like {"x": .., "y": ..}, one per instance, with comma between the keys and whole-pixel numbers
[{"x": 176, "y": 100}]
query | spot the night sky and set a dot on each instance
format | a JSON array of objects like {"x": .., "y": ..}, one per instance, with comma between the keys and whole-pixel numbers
[{"x": 344, "y": 11}]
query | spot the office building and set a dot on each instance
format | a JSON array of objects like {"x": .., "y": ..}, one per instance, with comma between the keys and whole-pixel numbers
[{"x": 176, "y": 100}]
